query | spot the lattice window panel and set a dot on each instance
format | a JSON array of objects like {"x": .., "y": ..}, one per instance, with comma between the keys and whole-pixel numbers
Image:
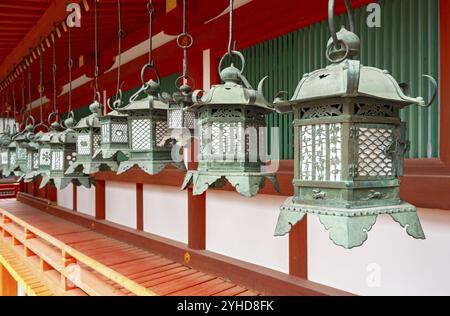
[
  {"x": 227, "y": 138},
  {"x": 57, "y": 160},
  {"x": 140, "y": 134},
  {"x": 96, "y": 141},
  {"x": 35, "y": 160},
  {"x": 29, "y": 161},
  {"x": 189, "y": 119},
  {"x": 45, "y": 157},
  {"x": 105, "y": 133},
  {"x": 321, "y": 152},
  {"x": 84, "y": 144},
  {"x": 4, "y": 156},
  {"x": 13, "y": 159},
  {"x": 373, "y": 161},
  {"x": 255, "y": 144},
  {"x": 119, "y": 133},
  {"x": 21, "y": 153},
  {"x": 161, "y": 130},
  {"x": 175, "y": 117}
]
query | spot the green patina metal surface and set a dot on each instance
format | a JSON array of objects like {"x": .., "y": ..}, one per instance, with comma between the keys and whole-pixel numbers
[
  {"x": 349, "y": 144},
  {"x": 407, "y": 43}
]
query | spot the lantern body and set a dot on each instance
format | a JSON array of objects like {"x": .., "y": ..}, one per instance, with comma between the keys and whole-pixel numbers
[
  {"x": 349, "y": 149},
  {"x": 88, "y": 141},
  {"x": 114, "y": 136},
  {"x": 63, "y": 154},
  {"x": 231, "y": 125},
  {"x": 147, "y": 126},
  {"x": 32, "y": 149}
]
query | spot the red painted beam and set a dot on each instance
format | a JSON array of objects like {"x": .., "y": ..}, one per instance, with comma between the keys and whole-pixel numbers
[
  {"x": 55, "y": 13},
  {"x": 100, "y": 200}
]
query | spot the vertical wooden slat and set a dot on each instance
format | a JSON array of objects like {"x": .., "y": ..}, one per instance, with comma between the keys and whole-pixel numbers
[{"x": 434, "y": 71}]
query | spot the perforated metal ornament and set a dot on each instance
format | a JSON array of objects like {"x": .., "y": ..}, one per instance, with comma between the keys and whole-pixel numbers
[{"x": 349, "y": 146}]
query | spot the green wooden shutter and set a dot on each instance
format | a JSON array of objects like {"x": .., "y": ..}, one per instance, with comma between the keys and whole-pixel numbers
[{"x": 406, "y": 44}]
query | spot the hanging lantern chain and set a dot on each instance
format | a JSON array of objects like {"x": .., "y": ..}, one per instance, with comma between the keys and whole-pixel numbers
[
  {"x": 41, "y": 86},
  {"x": 120, "y": 36},
  {"x": 96, "y": 92},
  {"x": 70, "y": 65},
  {"x": 118, "y": 102},
  {"x": 55, "y": 108},
  {"x": 151, "y": 10},
  {"x": 29, "y": 87},
  {"x": 230, "y": 40}
]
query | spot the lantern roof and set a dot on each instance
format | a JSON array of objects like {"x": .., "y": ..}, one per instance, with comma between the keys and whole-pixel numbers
[
  {"x": 152, "y": 99},
  {"x": 346, "y": 77},
  {"x": 235, "y": 90},
  {"x": 92, "y": 120}
]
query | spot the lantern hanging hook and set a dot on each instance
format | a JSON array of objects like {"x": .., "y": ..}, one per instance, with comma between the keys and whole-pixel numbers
[{"x": 351, "y": 21}]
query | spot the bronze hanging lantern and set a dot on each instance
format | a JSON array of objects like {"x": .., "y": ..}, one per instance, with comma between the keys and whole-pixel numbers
[
  {"x": 114, "y": 125},
  {"x": 88, "y": 129},
  {"x": 349, "y": 145},
  {"x": 180, "y": 121},
  {"x": 231, "y": 125},
  {"x": 147, "y": 122},
  {"x": 63, "y": 155}
]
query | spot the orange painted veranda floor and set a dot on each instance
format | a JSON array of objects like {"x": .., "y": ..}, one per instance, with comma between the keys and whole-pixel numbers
[{"x": 154, "y": 272}]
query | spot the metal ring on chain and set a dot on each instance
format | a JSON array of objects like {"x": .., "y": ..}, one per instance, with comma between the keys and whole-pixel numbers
[
  {"x": 54, "y": 115},
  {"x": 150, "y": 7},
  {"x": 328, "y": 52},
  {"x": 152, "y": 67},
  {"x": 178, "y": 83},
  {"x": 233, "y": 53},
  {"x": 350, "y": 16},
  {"x": 189, "y": 40}
]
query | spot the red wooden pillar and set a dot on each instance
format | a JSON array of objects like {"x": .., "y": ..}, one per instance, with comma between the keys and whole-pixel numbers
[
  {"x": 139, "y": 206},
  {"x": 74, "y": 198},
  {"x": 298, "y": 249},
  {"x": 51, "y": 193},
  {"x": 445, "y": 81},
  {"x": 100, "y": 202}
]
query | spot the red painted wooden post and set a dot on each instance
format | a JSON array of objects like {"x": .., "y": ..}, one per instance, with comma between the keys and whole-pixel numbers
[
  {"x": 298, "y": 250},
  {"x": 74, "y": 198},
  {"x": 139, "y": 206},
  {"x": 100, "y": 202}
]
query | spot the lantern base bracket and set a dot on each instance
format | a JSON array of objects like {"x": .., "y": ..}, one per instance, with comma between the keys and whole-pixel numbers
[
  {"x": 112, "y": 153},
  {"x": 62, "y": 182},
  {"x": 349, "y": 228},
  {"x": 92, "y": 167},
  {"x": 151, "y": 167},
  {"x": 247, "y": 184}
]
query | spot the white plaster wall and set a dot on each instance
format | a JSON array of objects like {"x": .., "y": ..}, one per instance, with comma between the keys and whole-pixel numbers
[
  {"x": 121, "y": 203},
  {"x": 243, "y": 228},
  {"x": 86, "y": 200},
  {"x": 389, "y": 263},
  {"x": 65, "y": 197},
  {"x": 166, "y": 212}
]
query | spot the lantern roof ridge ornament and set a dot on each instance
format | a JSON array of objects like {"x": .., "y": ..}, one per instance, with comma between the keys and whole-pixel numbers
[
  {"x": 235, "y": 89},
  {"x": 346, "y": 76}
]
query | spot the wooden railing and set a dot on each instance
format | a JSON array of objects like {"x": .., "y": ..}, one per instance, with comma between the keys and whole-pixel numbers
[{"x": 91, "y": 276}]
